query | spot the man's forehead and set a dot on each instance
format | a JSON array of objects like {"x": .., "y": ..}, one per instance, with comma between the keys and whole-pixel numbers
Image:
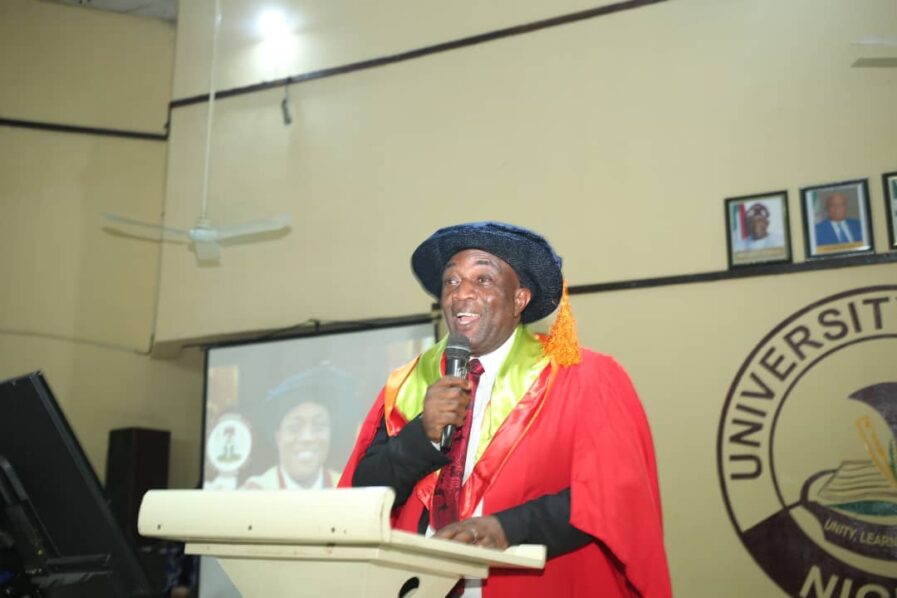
[
  {"x": 304, "y": 409},
  {"x": 526, "y": 253},
  {"x": 479, "y": 256}
]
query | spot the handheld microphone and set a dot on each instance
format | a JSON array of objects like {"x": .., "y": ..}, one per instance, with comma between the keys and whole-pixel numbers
[{"x": 457, "y": 354}]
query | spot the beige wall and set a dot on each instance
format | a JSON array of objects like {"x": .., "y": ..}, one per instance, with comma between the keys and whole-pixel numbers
[
  {"x": 84, "y": 67},
  {"x": 683, "y": 347},
  {"x": 617, "y": 137},
  {"x": 77, "y": 300},
  {"x": 330, "y": 34}
]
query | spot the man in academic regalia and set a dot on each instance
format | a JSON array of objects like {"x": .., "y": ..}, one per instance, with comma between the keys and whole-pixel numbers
[
  {"x": 301, "y": 414},
  {"x": 551, "y": 445}
]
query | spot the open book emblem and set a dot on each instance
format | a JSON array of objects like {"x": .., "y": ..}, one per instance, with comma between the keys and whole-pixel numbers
[{"x": 856, "y": 504}]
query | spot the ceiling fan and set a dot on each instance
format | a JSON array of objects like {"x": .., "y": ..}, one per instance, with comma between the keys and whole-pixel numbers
[
  {"x": 207, "y": 239},
  {"x": 876, "y": 61}
]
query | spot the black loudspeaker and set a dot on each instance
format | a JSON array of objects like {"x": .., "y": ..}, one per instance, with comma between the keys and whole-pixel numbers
[{"x": 137, "y": 461}]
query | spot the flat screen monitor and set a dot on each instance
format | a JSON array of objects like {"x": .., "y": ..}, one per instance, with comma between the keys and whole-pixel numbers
[{"x": 45, "y": 469}]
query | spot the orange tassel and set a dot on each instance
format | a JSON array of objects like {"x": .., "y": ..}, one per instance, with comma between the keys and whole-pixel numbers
[{"x": 562, "y": 342}]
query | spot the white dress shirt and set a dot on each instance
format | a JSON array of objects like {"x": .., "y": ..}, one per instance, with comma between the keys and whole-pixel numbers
[
  {"x": 770, "y": 241},
  {"x": 842, "y": 232},
  {"x": 491, "y": 363}
]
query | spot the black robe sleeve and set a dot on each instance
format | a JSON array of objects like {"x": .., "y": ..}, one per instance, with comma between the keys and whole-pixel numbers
[
  {"x": 399, "y": 461},
  {"x": 544, "y": 520}
]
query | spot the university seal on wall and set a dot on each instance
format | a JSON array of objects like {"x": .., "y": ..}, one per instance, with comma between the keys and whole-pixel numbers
[{"x": 807, "y": 448}]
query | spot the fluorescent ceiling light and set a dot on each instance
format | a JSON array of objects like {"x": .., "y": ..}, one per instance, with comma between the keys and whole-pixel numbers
[{"x": 273, "y": 24}]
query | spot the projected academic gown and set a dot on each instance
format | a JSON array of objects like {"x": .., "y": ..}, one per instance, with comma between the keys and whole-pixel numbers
[
  {"x": 580, "y": 428},
  {"x": 275, "y": 478}
]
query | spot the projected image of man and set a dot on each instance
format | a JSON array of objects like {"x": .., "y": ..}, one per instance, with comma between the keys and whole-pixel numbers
[{"x": 302, "y": 413}]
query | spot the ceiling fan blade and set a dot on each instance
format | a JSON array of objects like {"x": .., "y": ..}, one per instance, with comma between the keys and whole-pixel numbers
[
  {"x": 254, "y": 227},
  {"x": 207, "y": 251},
  {"x": 875, "y": 41},
  {"x": 876, "y": 63},
  {"x": 130, "y": 221}
]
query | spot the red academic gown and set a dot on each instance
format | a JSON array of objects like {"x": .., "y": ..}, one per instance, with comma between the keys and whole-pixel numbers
[{"x": 581, "y": 427}]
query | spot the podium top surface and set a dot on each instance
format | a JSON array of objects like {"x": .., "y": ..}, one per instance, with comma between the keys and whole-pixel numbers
[
  {"x": 332, "y": 517},
  {"x": 357, "y": 515}
]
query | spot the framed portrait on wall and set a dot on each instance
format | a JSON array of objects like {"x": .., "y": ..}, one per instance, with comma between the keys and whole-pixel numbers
[
  {"x": 889, "y": 180},
  {"x": 757, "y": 229},
  {"x": 836, "y": 219}
]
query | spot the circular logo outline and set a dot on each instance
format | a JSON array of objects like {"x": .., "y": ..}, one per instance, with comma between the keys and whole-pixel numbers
[{"x": 771, "y": 567}]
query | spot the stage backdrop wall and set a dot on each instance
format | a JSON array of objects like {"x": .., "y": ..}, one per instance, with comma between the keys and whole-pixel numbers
[
  {"x": 77, "y": 300},
  {"x": 618, "y": 137},
  {"x": 621, "y": 135}
]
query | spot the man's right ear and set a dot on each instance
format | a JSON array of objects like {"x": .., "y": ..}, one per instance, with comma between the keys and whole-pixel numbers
[{"x": 522, "y": 297}]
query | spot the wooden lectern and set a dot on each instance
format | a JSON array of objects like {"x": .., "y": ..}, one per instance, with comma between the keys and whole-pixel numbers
[{"x": 324, "y": 543}]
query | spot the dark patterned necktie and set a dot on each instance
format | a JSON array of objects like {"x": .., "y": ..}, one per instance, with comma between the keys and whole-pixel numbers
[{"x": 447, "y": 494}]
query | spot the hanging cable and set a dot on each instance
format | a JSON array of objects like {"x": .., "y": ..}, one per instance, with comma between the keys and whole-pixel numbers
[{"x": 285, "y": 104}]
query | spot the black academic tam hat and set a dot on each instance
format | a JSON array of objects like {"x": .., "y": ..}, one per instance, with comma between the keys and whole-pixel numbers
[
  {"x": 537, "y": 265},
  {"x": 326, "y": 385}
]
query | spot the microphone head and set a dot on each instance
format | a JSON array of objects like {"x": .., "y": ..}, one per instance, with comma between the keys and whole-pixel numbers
[{"x": 458, "y": 347}]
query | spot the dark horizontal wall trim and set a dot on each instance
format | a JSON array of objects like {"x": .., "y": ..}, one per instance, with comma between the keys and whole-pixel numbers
[
  {"x": 320, "y": 327},
  {"x": 30, "y": 124},
  {"x": 425, "y": 51},
  {"x": 743, "y": 272}
]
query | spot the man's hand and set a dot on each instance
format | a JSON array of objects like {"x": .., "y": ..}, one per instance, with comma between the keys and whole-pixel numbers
[
  {"x": 482, "y": 531},
  {"x": 445, "y": 403}
]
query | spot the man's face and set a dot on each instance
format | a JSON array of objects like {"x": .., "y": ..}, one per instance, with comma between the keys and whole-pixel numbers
[
  {"x": 759, "y": 227},
  {"x": 303, "y": 441},
  {"x": 837, "y": 207},
  {"x": 482, "y": 299}
]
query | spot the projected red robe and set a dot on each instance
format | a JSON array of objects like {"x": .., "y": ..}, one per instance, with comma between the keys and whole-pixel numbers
[{"x": 581, "y": 427}]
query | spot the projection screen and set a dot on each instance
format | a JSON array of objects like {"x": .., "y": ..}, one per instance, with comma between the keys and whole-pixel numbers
[{"x": 284, "y": 414}]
